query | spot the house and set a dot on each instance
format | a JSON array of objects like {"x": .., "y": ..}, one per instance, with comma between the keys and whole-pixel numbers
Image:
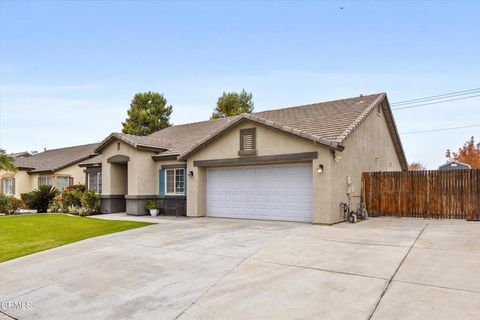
[
  {"x": 454, "y": 165},
  {"x": 22, "y": 154},
  {"x": 293, "y": 164},
  {"x": 56, "y": 167}
]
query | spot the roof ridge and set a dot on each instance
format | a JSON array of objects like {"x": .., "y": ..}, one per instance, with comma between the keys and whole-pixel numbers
[
  {"x": 360, "y": 118},
  {"x": 190, "y": 123},
  {"x": 322, "y": 102},
  {"x": 80, "y": 145}
]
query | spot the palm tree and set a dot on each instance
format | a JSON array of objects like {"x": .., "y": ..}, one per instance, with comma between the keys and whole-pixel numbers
[{"x": 6, "y": 162}]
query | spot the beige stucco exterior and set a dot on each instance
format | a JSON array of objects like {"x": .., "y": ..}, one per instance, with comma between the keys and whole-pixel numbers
[
  {"x": 26, "y": 182},
  {"x": 23, "y": 181},
  {"x": 269, "y": 142},
  {"x": 369, "y": 148},
  {"x": 139, "y": 176}
]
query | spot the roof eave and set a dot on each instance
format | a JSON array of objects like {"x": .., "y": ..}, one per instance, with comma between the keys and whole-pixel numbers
[
  {"x": 138, "y": 146},
  {"x": 268, "y": 123}
]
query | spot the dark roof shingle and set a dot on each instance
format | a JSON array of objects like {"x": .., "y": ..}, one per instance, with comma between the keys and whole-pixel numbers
[
  {"x": 328, "y": 123},
  {"x": 56, "y": 159}
]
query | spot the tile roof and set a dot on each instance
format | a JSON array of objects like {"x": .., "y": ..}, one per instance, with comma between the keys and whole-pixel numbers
[
  {"x": 19, "y": 154},
  {"x": 328, "y": 123},
  {"x": 182, "y": 137},
  {"x": 56, "y": 159},
  {"x": 146, "y": 142},
  {"x": 90, "y": 161}
]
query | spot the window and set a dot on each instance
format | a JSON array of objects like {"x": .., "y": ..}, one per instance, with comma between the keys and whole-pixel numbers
[
  {"x": 247, "y": 142},
  {"x": 175, "y": 181},
  {"x": 8, "y": 185},
  {"x": 95, "y": 181},
  {"x": 42, "y": 181},
  {"x": 62, "y": 182}
]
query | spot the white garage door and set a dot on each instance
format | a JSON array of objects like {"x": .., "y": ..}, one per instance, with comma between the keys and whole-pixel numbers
[{"x": 282, "y": 192}]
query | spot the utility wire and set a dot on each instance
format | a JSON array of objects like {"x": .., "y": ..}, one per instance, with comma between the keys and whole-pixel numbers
[
  {"x": 437, "y": 97},
  {"x": 442, "y": 129},
  {"x": 435, "y": 102}
]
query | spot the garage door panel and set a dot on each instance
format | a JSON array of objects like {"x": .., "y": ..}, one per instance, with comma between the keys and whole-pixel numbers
[{"x": 269, "y": 192}]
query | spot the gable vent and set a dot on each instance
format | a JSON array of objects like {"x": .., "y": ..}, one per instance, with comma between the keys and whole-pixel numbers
[{"x": 248, "y": 141}]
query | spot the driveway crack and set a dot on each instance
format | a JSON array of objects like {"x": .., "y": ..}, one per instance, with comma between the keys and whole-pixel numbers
[
  {"x": 9, "y": 316},
  {"x": 396, "y": 270}
]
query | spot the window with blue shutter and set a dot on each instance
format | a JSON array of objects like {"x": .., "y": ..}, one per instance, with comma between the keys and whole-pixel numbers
[{"x": 173, "y": 181}]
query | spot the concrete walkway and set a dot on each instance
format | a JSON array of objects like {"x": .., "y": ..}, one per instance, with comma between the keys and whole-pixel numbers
[{"x": 209, "y": 268}]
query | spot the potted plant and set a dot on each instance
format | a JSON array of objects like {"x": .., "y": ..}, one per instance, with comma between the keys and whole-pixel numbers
[{"x": 152, "y": 207}]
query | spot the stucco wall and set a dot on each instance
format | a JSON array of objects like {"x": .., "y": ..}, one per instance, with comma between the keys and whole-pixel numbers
[
  {"x": 268, "y": 142},
  {"x": 71, "y": 171},
  {"x": 369, "y": 148},
  {"x": 22, "y": 181},
  {"x": 25, "y": 182},
  {"x": 142, "y": 174}
]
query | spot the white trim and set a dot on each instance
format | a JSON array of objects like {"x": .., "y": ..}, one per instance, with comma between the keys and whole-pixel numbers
[
  {"x": 62, "y": 177},
  {"x": 46, "y": 178},
  {"x": 97, "y": 185},
  {"x": 4, "y": 187},
  {"x": 174, "y": 193}
]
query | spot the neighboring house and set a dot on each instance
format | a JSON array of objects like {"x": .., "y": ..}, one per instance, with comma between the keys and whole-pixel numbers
[
  {"x": 454, "y": 165},
  {"x": 20, "y": 154},
  {"x": 56, "y": 167},
  {"x": 294, "y": 164}
]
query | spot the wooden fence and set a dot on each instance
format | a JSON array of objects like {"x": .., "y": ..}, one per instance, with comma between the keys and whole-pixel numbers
[{"x": 452, "y": 194}]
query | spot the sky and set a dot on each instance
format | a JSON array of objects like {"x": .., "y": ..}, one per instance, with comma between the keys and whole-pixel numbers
[{"x": 68, "y": 70}]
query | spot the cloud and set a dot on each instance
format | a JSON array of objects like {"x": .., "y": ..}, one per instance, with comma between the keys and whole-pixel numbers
[{"x": 38, "y": 89}]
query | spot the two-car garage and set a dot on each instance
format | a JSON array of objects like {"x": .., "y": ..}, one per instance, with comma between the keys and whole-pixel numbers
[{"x": 271, "y": 192}]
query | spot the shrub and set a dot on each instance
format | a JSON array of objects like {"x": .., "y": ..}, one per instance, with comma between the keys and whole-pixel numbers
[
  {"x": 26, "y": 199},
  {"x": 72, "y": 197},
  {"x": 76, "y": 200},
  {"x": 151, "y": 204},
  {"x": 90, "y": 200},
  {"x": 9, "y": 204},
  {"x": 42, "y": 198},
  {"x": 57, "y": 204},
  {"x": 16, "y": 204},
  {"x": 78, "y": 187}
]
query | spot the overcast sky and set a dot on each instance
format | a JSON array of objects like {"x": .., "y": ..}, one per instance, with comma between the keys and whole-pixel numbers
[{"x": 68, "y": 70}]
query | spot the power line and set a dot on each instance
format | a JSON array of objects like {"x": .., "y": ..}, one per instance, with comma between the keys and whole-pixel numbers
[
  {"x": 437, "y": 97},
  {"x": 435, "y": 102},
  {"x": 442, "y": 129}
]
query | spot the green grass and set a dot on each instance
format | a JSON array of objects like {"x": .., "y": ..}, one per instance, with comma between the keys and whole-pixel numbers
[{"x": 26, "y": 234}]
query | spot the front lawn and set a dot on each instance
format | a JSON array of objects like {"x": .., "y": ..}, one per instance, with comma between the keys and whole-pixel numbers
[{"x": 27, "y": 234}]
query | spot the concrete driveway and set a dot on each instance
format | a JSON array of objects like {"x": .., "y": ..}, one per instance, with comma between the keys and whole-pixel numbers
[{"x": 208, "y": 268}]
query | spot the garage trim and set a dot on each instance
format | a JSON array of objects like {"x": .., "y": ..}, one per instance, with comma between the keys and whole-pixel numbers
[{"x": 257, "y": 160}]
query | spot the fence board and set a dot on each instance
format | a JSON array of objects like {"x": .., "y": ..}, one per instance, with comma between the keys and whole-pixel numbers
[{"x": 434, "y": 194}]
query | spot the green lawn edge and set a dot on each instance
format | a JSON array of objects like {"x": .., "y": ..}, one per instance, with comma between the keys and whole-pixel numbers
[{"x": 22, "y": 235}]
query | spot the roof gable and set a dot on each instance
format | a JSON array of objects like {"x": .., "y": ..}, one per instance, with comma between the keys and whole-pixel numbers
[
  {"x": 137, "y": 142},
  {"x": 328, "y": 123}
]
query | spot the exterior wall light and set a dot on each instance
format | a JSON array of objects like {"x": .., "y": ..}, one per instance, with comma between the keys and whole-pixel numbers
[
  {"x": 190, "y": 174},
  {"x": 320, "y": 168}
]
